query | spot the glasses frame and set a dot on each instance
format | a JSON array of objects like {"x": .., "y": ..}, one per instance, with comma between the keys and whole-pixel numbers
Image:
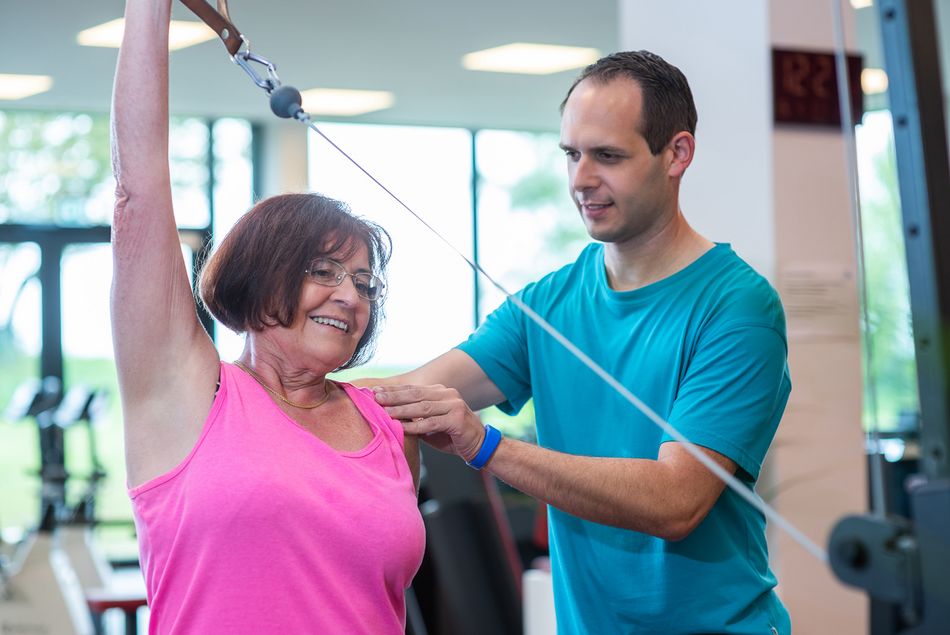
[{"x": 342, "y": 273}]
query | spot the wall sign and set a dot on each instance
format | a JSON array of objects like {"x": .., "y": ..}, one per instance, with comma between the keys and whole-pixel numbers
[{"x": 805, "y": 87}]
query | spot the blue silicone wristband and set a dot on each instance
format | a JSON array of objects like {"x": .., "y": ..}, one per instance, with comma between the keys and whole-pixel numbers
[{"x": 489, "y": 445}]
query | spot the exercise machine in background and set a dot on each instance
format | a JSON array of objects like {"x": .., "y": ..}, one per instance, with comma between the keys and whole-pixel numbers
[
  {"x": 58, "y": 580},
  {"x": 901, "y": 554},
  {"x": 82, "y": 406},
  {"x": 39, "y": 590}
]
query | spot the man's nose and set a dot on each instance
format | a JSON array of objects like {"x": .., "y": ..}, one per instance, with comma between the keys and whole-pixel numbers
[{"x": 584, "y": 175}]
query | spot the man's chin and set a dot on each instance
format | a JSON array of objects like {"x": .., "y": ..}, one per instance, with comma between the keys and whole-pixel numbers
[{"x": 601, "y": 234}]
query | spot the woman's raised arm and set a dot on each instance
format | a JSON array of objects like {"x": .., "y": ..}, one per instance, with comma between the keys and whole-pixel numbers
[{"x": 167, "y": 365}]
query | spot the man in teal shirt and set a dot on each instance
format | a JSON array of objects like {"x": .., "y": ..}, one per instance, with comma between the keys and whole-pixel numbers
[{"x": 644, "y": 538}]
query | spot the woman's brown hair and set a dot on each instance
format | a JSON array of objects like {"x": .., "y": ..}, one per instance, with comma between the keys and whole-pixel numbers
[{"x": 254, "y": 278}]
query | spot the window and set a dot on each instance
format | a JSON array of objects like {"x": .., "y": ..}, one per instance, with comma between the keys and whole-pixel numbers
[
  {"x": 55, "y": 168},
  {"x": 188, "y": 142},
  {"x": 19, "y": 359},
  {"x": 56, "y": 193},
  {"x": 86, "y": 278},
  {"x": 233, "y": 195},
  {"x": 892, "y": 377},
  {"x": 430, "y": 303},
  {"x": 527, "y": 224}
]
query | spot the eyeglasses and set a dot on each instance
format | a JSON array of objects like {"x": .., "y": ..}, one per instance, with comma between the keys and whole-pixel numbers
[{"x": 330, "y": 273}]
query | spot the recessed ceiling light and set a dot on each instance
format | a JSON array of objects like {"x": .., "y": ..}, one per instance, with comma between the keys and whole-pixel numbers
[
  {"x": 535, "y": 59},
  {"x": 21, "y": 86},
  {"x": 343, "y": 102},
  {"x": 861, "y": 4},
  {"x": 181, "y": 34},
  {"x": 873, "y": 81}
]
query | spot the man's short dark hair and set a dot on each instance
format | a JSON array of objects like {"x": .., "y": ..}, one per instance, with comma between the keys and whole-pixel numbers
[
  {"x": 254, "y": 278},
  {"x": 668, "y": 105}
]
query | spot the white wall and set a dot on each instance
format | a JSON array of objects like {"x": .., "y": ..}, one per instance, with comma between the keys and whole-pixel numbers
[{"x": 727, "y": 191}]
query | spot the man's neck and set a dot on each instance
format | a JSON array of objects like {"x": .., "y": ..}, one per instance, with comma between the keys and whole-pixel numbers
[{"x": 638, "y": 263}]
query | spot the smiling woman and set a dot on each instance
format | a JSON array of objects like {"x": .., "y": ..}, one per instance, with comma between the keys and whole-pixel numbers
[
  {"x": 251, "y": 283},
  {"x": 247, "y": 478}
]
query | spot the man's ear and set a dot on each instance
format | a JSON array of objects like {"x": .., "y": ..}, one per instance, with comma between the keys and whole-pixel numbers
[{"x": 681, "y": 147}]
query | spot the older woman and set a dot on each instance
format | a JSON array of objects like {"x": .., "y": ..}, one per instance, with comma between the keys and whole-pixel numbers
[{"x": 267, "y": 497}]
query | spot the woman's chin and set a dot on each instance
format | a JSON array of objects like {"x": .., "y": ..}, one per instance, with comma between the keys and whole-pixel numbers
[{"x": 331, "y": 364}]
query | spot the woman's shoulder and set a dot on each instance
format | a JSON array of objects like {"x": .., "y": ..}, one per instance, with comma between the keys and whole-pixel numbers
[{"x": 363, "y": 398}]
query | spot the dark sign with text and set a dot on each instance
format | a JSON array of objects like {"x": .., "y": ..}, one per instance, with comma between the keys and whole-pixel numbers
[{"x": 805, "y": 87}]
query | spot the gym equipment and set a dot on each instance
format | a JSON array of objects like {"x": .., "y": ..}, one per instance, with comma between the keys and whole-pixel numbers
[
  {"x": 39, "y": 591},
  {"x": 471, "y": 574},
  {"x": 902, "y": 561},
  {"x": 85, "y": 406},
  {"x": 82, "y": 405}
]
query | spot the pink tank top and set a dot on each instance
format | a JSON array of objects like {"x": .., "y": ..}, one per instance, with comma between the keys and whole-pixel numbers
[{"x": 263, "y": 528}]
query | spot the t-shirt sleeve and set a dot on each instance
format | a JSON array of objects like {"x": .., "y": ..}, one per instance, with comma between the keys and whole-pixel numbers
[
  {"x": 499, "y": 347},
  {"x": 733, "y": 393}
]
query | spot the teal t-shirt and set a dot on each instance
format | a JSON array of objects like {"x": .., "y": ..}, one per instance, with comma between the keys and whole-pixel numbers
[{"x": 706, "y": 349}]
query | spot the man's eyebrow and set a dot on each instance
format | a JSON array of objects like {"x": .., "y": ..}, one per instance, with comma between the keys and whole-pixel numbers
[{"x": 610, "y": 149}]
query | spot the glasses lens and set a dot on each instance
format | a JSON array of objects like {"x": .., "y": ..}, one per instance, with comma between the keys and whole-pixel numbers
[
  {"x": 331, "y": 273},
  {"x": 368, "y": 286},
  {"x": 328, "y": 272}
]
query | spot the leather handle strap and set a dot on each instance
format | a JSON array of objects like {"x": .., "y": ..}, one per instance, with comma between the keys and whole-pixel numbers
[{"x": 219, "y": 21}]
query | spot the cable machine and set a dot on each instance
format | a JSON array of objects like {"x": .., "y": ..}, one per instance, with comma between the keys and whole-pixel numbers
[{"x": 901, "y": 562}]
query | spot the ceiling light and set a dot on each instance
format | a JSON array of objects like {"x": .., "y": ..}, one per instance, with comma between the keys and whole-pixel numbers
[
  {"x": 535, "y": 59},
  {"x": 873, "y": 81},
  {"x": 21, "y": 86},
  {"x": 345, "y": 103},
  {"x": 181, "y": 34},
  {"x": 861, "y": 4}
]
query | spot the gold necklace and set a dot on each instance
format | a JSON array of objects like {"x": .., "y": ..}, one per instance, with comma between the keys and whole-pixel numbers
[{"x": 257, "y": 378}]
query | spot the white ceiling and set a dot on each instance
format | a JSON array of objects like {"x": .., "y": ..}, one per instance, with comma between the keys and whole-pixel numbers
[{"x": 410, "y": 47}]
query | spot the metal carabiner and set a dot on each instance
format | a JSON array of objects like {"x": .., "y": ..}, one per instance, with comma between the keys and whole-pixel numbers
[
  {"x": 244, "y": 59},
  {"x": 220, "y": 22}
]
